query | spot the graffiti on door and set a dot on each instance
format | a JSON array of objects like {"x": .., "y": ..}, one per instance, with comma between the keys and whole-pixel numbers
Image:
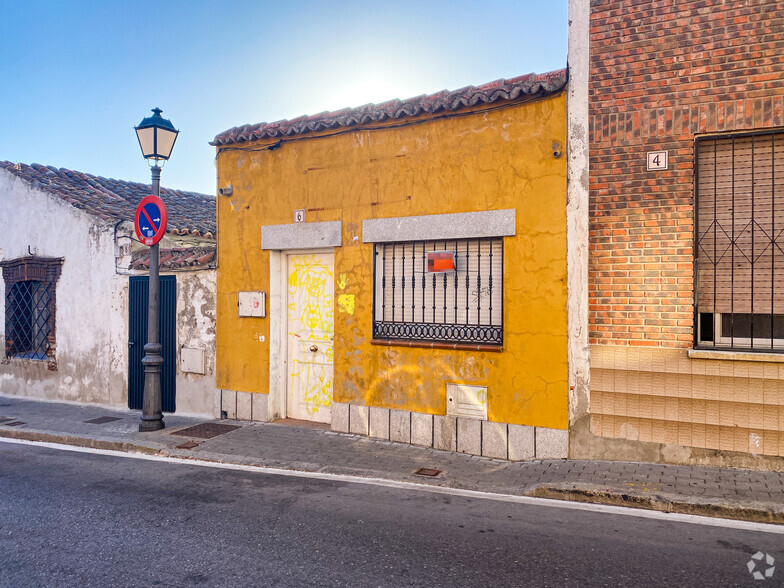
[{"x": 311, "y": 330}]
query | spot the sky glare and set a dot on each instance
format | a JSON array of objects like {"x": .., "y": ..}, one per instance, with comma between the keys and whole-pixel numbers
[{"x": 79, "y": 75}]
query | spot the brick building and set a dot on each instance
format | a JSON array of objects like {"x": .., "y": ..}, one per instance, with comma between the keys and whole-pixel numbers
[{"x": 686, "y": 243}]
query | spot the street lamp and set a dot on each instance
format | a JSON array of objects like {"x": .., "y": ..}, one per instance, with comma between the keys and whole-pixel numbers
[{"x": 156, "y": 138}]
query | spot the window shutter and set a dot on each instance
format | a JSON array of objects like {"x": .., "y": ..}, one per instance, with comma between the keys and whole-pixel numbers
[{"x": 740, "y": 221}]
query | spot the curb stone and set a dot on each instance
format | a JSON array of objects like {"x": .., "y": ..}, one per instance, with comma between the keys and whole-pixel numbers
[{"x": 709, "y": 507}]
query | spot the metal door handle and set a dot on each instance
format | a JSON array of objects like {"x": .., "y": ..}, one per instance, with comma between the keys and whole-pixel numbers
[{"x": 314, "y": 347}]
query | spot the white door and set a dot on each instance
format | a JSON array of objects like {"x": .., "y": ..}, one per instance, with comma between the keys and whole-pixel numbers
[{"x": 311, "y": 328}]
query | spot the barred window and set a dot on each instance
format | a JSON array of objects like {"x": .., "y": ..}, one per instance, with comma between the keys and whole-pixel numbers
[
  {"x": 739, "y": 226},
  {"x": 439, "y": 291},
  {"x": 27, "y": 320},
  {"x": 30, "y": 303}
]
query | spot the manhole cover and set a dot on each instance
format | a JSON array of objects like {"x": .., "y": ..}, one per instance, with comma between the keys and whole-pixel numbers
[
  {"x": 206, "y": 430},
  {"x": 102, "y": 420},
  {"x": 14, "y": 424},
  {"x": 189, "y": 445},
  {"x": 427, "y": 472}
]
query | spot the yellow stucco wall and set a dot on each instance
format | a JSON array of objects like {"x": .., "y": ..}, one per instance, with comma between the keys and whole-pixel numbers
[{"x": 495, "y": 159}]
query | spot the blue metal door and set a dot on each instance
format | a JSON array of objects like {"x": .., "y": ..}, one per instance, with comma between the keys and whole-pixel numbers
[{"x": 137, "y": 337}]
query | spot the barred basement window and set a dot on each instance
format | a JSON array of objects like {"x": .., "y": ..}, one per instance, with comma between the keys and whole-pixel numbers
[
  {"x": 420, "y": 300},
  {"x": 738, "y": 226},
  {"x": 30, "y": 303}
]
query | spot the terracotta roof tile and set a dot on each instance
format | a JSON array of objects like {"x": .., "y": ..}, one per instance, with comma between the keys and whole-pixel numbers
[
  {"x": 176, "y": 258},
  {"x": 519, "y": 88},
  {"x": 190, "y": 213}
]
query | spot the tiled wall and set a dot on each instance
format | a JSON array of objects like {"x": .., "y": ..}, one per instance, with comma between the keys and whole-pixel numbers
[{"x": 663, "y": 396}]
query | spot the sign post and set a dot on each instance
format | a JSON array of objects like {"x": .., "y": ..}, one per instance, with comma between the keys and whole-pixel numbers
[{"x": 150, "y": 222}]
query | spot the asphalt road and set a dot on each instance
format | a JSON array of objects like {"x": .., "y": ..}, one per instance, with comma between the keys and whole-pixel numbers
[{"x": 77, "y": 519}]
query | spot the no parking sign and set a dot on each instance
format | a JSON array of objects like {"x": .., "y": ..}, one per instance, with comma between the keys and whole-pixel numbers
[{"x": 151, "y": 219}]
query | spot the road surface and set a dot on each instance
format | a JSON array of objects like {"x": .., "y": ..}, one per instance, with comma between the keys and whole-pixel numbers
[{"x": 82, "y": 519}]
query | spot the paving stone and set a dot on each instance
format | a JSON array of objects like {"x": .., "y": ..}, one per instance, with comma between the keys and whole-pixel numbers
[
  {"x": 522, "y": 441},
  {"x": 422, "y": 429},
  {"x": 216, "y": 404},
  {"x": 229, "y": 403},
  {"x": 445, "y": 433},
  {"x": 340, "y": 414},
  {"x": 552, "y": 443},
  {"x": 359, "y": 419},
  {"x": 245, "y": 406},
  {"x": 469, "y": 436},
  {"x": 400, "y": 426},
  {"x": 379, "y": 422},
  {"x": 260, "y": 408},
  {"x": 494, "y": 440}
]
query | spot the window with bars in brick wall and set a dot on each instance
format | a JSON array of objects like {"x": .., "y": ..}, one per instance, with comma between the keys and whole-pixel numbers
[
  {"x": 30, "y": 306},
  {"x": 739, "y": 238},
  {"x": 414, "y": 301}
]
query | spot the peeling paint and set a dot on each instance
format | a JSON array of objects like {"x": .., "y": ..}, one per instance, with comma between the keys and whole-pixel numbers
[{"x": 498, "y": 159}]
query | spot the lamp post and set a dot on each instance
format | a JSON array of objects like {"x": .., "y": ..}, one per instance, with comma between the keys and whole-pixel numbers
[{"x": 156, "y": 138}]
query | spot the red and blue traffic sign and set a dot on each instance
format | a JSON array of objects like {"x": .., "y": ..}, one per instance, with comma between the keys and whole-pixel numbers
[{"x": 151, "y": 219}]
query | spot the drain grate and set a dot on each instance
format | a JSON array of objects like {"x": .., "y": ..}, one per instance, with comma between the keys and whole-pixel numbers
[
  {"x": 189, "y": 445},
  {"x": 206, "y": 430},
  {"x": 427, "y": 472},
  {"x": 14, "y": 424},
  {"x": 103, "y": 420}
]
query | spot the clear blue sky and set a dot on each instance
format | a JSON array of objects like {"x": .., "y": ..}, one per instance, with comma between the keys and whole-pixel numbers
[{"x": 78, "y": 75}]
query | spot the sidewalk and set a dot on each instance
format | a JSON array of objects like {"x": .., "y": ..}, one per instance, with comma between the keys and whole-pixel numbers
[{"x": 722, "y": 492}]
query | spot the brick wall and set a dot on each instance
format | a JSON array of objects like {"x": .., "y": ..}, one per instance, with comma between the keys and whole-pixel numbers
[{"x": 661, "y": 73}]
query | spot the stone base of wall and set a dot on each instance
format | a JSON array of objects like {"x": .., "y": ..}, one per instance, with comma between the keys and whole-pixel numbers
[
  {"x": 449, "y": 433},
  {"x": 241, "y": 406}
]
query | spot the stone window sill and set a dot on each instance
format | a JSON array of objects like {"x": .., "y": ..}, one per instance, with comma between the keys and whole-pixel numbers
[{"x": 735, "y": 355}]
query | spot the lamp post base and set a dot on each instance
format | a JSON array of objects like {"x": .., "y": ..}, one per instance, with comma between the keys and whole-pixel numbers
[
  {"x": 153, "y": 423},
  {"x": 152, "y": 417}
]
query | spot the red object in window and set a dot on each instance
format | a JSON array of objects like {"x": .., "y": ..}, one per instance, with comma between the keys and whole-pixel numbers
[{"x": 440, "y": 261}]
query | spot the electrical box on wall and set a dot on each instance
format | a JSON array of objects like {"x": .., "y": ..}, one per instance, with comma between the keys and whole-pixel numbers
[
  {"x": 192, "y": 361},
  {"x": 466, "y": 401},
  {"x": 252, "y": 304}
]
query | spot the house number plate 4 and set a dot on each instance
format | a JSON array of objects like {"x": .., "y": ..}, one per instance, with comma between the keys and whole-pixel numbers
[{"x": 657, "y": 160}]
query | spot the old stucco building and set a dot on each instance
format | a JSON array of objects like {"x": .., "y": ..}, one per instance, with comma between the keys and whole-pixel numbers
[
  {"x": 399, "y": 270},
  {"x": 73, "y": 288}
]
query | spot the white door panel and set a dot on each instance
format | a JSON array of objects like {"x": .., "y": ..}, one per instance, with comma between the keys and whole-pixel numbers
[{"x": 311, "y": 327}]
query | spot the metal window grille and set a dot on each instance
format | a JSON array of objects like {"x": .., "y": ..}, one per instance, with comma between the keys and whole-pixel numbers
[
  {"x": 28, "y": 321},
  {"x": 466, "y": 305},
  {"x": 739, "y": 203}
]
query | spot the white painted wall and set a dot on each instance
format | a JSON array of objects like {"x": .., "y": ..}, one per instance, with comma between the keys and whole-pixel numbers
[
  {"x": 91, "y": 299},
  {"x": 92, "y": 307}
]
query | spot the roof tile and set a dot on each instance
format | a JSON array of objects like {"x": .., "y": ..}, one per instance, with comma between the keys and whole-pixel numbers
[
  {"x": 519, "y": 88},
  {"x": 190, "y": 213}
]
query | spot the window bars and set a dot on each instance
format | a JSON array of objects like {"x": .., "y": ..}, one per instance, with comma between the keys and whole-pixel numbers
[
  {"x": 28, "y": 320},
  {"x": 414, "y": 304},
  {"x": 739, "y": 227}
]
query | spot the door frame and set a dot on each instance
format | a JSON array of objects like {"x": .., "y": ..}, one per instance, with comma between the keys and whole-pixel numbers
[{"x": 278, "y": 344}]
